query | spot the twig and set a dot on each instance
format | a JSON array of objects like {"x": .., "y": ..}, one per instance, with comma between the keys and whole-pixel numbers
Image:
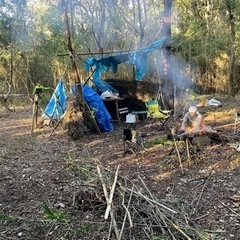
[
  {"x": 188, "y": 154},
  {"x": 157, "y": 211},
  {"x": 146, "y": 187},
  {"x": 143, "y": 220},
  {"x": 156, "y": 217},
  {"x": 109, "y": 203},
  {"x": 49, "y": 231},
  {"x": 59, "y": 121},
  {"x": 198, "y": 179},
  {"x": 114, "y": 222},
  {"x": 229, "y": 209},
  {"x": 179, "y": 157},
  {"x": 201, "y": 193},
  {"x": 163, "y": 220},
  {"x": 110, "y": 230},
  {"x": 200, "y": 217},
  {"x": 177, "y": 227},
  {"x": 152, "y": 201},
  {"x": 127, "y": 213}
]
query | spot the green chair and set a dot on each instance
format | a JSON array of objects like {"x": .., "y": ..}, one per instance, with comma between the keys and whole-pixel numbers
[{"x": 155, "y": 113}]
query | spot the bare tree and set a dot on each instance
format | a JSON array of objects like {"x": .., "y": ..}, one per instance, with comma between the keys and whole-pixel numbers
[
  {"x": 230, "y": 4},
  {"x": 167, "y": 85}
]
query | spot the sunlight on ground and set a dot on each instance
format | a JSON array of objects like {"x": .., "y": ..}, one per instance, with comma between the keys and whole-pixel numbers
[
  {"x": 163, "y": 176},
  {"x": 235, "y": 163},
  {"x": 18, "y": 128},
  {"x": 223, "y": 166},
  {"x": 221, "y": 116}
]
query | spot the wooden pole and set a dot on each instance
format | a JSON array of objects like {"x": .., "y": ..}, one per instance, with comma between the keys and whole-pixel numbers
[
  {"x": 107, "y": 52},
  {"x": 94, "y": 120},
  {"x": 75, "y": 73},
  {"x": 35, "y": 112},
  {"x": 33, "y": 117},
  {"x": 188, "y": 153},
  {"x": 178, "y": 154}
]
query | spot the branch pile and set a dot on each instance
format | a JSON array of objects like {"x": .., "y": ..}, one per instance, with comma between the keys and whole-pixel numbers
[
  {"x": 73, "y": 121},
  {"x": 132, "y": 212}
]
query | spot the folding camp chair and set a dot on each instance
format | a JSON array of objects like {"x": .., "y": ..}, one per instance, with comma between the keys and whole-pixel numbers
[
  {"x": 123, "y": 112},
  {"x": 132, "y": 140},
  {"x": 155, "y": 113}
]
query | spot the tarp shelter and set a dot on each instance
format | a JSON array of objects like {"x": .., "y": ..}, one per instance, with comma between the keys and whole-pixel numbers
[
  {"x": 56, "y": 107},
  {"x": 102, "y": 116},
  {"x": 137, "y": 58},
  {"x": 95, "y": 102},
  {"x": 103, "y": 86}
]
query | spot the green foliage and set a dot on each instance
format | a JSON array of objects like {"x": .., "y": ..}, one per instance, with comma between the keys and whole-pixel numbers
[
  {"x": 161, "y": 237},
  {"x": 4, "y": 217},
  {"x": 85, "y": 227},
  {"x": 17, "y": 102},
  {"x": 43, "y": 74},
  {"x": 204, "y": 235},
  {"x": 78, "y": 168},
  {"x": 157, "y": 141},
  {"x": 52, "y": 214}
]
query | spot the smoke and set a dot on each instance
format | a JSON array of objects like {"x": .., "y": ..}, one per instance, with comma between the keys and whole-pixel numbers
[{"x": 181, "y": 73}]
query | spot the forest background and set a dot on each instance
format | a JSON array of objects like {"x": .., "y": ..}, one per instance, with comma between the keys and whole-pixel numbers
[
  {"x": 205, "y": 52},
  {"x": 50, "y": 186}
]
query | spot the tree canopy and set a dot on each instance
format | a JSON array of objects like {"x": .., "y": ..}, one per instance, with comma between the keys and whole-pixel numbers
[{"x": 204, "y": 45}]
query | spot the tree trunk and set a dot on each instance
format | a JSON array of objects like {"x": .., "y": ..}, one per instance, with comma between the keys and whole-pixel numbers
[
  {"x": 232, "y": 57},
  {"x": 167, "y": 85}
]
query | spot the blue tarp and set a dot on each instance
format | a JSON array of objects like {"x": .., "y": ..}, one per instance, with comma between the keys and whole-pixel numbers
[
  {"x": 95, "y": 102},
  {"x": 57, "y": 104},
  {"x": 103, "y": 86},
  {"x": 137, "y": 58}
]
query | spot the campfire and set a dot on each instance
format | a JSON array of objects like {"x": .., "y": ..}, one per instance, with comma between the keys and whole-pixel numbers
[{"x": 191, "y": 145}]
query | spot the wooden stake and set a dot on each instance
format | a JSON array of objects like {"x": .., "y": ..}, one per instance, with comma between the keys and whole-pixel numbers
[
  {"x": 35, "y": 112},
  {"x": 94, "y": 120},
  {"x": 188, "y": 154},
  {"x": 179, "y": 157}
]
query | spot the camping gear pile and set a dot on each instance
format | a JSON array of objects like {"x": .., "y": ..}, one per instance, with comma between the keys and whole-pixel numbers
[
  {"x": 61, "y": 109},
  {"x": 209, "y": 102}
]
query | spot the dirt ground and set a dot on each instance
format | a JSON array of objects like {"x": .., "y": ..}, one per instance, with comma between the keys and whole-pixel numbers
[{"x": 47, "y": 182}]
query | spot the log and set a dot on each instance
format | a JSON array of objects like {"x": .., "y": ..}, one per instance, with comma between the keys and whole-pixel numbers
[
  {"x": 12, "y": 95},
  {"x": 227, "y": 125}
]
